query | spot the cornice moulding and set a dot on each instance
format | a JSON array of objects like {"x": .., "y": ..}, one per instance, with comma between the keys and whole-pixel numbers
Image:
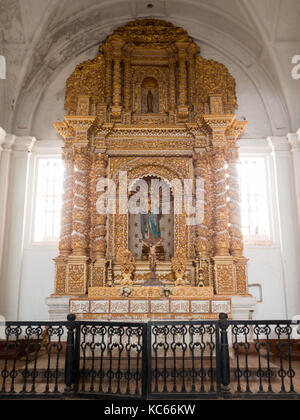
[
  {"x": 294, "y": 140},
  {"x": 24, "y": 144},
  {"x": 279, "y": 144}
]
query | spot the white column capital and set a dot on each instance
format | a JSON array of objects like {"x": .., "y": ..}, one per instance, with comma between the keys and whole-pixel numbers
[
  {"x": 279, "y": 144},
  {"x": 24, "y": 144},
  {"x": 8, "y": 143},
  {"x": 294, "y": 140}
]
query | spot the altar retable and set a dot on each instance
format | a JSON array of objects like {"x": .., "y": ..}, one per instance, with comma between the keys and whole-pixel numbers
[{"x": 150, "y": 105}]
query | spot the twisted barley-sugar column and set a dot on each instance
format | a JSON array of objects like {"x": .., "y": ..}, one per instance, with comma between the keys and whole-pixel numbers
[
  {"x": 221, "y": 229},
  {"x": 235, "y": 231},
  {"x": 182, "y": 79},
  {"x": 65, "y": 245},
  {"x": 80, "y": 235},
  {"x": 108, "y": 78},
  {"x": 117, "y": 81},
  {"x": 127, "y": 82},
  {"x": 98, "y": 236},
  {"x": 202, "y": 232}
]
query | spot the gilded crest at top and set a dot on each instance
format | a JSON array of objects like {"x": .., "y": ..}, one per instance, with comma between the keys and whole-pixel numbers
[{"x": 149, "y": 72}]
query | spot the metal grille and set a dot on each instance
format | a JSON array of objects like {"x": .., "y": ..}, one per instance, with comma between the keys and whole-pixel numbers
[
  {"x": 167, "y": 359},
  {"x": 112, "y": 359},
  {"x": 265, "y": 358},
  {"x": 183, "y": 359},
  {"x": 33, "y": 359}
]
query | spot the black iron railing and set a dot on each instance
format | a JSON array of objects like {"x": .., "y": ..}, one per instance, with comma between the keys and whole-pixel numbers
[{"x": 167, "y": 359}]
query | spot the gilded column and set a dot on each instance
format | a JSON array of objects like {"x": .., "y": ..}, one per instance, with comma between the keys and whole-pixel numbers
[
  {"x": 224, "y": 269},
  {"x": 236, "y": 237},
  {"x": 127, "y": 83},
  {"x": 116, "y": 109},
  {"x": 80, "y": 235},
  {"x": 127, "y": 89},
  {"x": 172, "y": 85},
  {"x": 202, "y": 233},
  {"x": 117, "y": 80},
  {"x": 221, "y": 212},
  {"x": 191, "y": 78},
  {"x": 203, "y": 237},
  {"x": 108, "y": 78},
  {"x": 98, "y": 228},
  {"x": 78, "y": 262},
  {"x": 182, "y": 84},
  {"x": 65, "y": 245},
  {"x": 234, "y": 209},
  {"x": 183, "y": 110},
  {"x": 182, "y": 80}
]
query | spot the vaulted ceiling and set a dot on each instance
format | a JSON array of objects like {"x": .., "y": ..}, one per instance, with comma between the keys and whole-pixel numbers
[{"x": 257, "y": 38}]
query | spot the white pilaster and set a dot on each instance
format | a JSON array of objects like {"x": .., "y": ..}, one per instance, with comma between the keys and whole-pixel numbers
[
  {"x": 5, "y": 157},
  {"x": 288, "y": 221},
  {"x": 11, "y": 269},
  {"x": 294, "y": 140}
]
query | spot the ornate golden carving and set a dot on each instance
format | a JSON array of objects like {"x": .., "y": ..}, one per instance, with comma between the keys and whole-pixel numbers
[
  {"x": 151, "y": 292},
  {"x": 86, "y": 80},
  {"x": 127, "y": 262},
  {"x": 187, "y": 130},
  {"x": 179, "y": 263}
]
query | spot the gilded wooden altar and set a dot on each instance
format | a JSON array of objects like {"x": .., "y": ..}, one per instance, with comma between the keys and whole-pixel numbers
[{"x": 190, "y": 132}]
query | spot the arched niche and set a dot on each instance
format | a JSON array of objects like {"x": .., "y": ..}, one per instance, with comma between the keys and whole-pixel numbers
[{"x": 154, "y": 80}]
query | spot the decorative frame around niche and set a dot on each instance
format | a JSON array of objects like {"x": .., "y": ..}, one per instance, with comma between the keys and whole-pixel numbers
[{"x": 137, "y": 81}]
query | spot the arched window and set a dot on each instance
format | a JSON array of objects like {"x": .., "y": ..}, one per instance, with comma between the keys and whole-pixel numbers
[
  {"x": 48, "y": 200},
  {"x": 254, "y": 199}
]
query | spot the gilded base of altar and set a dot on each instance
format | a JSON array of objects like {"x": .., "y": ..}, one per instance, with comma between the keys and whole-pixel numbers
[{"x": 150, "y": 303}]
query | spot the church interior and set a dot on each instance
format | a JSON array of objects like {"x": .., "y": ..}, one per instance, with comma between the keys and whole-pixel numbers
[{"x": 145, "y": 94}]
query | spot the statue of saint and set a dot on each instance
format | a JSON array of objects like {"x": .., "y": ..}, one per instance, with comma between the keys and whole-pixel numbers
[
  {"x": 150, "y": 226},
  {"x": 150, "y": 102}
]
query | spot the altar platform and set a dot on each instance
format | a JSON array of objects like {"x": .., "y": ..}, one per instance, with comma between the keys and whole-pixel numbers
[{"x": 150, "y": 303}]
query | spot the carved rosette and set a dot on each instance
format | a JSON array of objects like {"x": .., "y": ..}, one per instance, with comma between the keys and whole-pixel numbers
[{"x": 81, "y": 207}]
